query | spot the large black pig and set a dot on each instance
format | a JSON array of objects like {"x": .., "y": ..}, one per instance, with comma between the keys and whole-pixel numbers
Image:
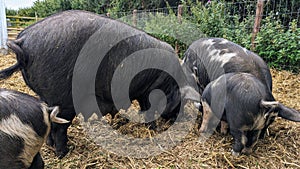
[
  {"x": 246, "y": 104},
  {"x": 47, "y": 52}
]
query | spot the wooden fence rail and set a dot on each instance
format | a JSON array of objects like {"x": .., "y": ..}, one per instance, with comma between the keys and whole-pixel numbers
[
  {"x": 13, "y": 32},
  {"x": 15, "y": 24}
]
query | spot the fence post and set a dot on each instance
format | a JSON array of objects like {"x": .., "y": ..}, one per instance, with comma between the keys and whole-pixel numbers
[
  {"x": 179, "y": 17},
  {"x": 258, "y": 17},
  {"x": 179, "y": 13},
  {"x": 134, "y": 18},
  {"x": 36, "y": 16},
  {"x": 3, "y": 29}
]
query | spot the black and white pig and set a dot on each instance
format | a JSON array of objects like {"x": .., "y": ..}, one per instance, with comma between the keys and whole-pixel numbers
[
  {"x": 209, "y": 58},
  {"x": 48, "y": 50},
  {"x": 245, "y": 103},
  {"x": 24, "y": 127}
]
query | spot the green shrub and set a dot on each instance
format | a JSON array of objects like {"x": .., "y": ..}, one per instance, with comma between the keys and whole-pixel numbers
[
  {"x": 210, "y": 18},
  {"x": 168, "y": 29},
  {"x": 279, "y": 47},
  {"x": 239, "y": 32}
]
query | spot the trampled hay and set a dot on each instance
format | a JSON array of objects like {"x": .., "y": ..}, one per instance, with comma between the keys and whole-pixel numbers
[{"x": 279, "y": 149}]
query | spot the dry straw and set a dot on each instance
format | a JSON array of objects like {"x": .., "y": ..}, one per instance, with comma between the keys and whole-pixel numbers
[{"x": 280, "y": 149}]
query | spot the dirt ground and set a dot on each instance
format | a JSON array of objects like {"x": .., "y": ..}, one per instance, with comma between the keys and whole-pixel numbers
[{"x": 280, "y": 148}]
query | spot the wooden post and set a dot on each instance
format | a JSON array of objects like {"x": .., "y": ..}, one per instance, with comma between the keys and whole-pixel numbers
[
  {"x": 134, "y": 18},
  {"x": 258, "y": 17},
  {"x": 18, "y": 25},
  {"x": 179, "y": 17},
  {"x": 179, "y": 13},
  {"x": 36, "y": 16}
]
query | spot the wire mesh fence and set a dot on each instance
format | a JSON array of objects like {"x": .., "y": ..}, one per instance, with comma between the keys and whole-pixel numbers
[
  {"x": 233, "y": 20},
  {"x": 229, "y": 19},
  {"x": 284, "y": 11}
]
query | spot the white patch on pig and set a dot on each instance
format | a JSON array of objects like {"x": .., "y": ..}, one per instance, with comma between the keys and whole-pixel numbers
[
  {"x": 195, "y": 69},
  {"x": 207, "y": 115},
  {"x": 245, "y": 50},
  {"x": 235, "y": 153},
  {"x": 225, "y": 50},
  {"x": 219, "y": 83},
  {"x": 223, "y": 59},
  {"x": 208, "y": 42},
  {"x": 54, "y": 118},
  {"x": 244, "y": 140},
  {"x": 215, "y": 83},
  {"x": 44, "y": 108},
  {"x": 8, "y": 95},
  {"x": 272, "y": 114},
  {"x": 259, "y": 122},
  {"x": 224, "y": 127},
  {"x": 13, "y": 126},
  {"x": 181, "y": 61},
  {"x": 270, "y": 104},
  {"x": 197, "y": 105},
  {"x": 224, "y": 41},
  {"x": 195, "y": 78},
  {"x": 195, "y": 63}
]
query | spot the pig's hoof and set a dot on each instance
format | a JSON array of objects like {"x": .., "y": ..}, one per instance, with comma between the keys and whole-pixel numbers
[
  {"x": 247, "y": 151},
  {"x": 50, "y": 142},
  {"x": 203, "y": 130},
  {"x": 235, "y": 153},
  {"x": 197, "y": 105},
  {"x": 61, "y": 153},
  {"x": 224, "y": 132}
]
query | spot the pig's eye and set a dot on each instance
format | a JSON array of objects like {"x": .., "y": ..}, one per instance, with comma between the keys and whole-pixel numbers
[{"x": 195, "y": 70}]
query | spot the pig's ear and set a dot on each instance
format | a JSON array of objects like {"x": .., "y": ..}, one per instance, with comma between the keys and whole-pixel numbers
[
  {"x": 190, "y": 76},
  {"x": 288, "y": 113},
  {"x": 269, "y": 104},
  {"x": 283, "y": 111},
  {"x": 189, "y": 93},
  {"x": 269, "y": 107},
  {"x": 54, "y": 118}
]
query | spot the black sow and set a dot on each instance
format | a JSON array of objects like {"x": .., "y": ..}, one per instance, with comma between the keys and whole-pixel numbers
[{"x": 47, "y": 52}]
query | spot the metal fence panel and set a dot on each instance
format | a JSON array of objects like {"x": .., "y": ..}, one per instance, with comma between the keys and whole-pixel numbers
[{"x": 3, "y": 27}]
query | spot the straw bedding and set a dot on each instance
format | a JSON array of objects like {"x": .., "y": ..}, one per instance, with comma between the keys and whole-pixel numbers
[{"x": 279, "y": 149}]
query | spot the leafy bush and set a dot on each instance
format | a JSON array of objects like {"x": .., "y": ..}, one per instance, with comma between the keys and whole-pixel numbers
[
  {"x": 168, "y": 29},
  {"x": 239, "y": 32},
  {"x": 210, "y": 18},
  {"x": 279, "y": 47}
]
